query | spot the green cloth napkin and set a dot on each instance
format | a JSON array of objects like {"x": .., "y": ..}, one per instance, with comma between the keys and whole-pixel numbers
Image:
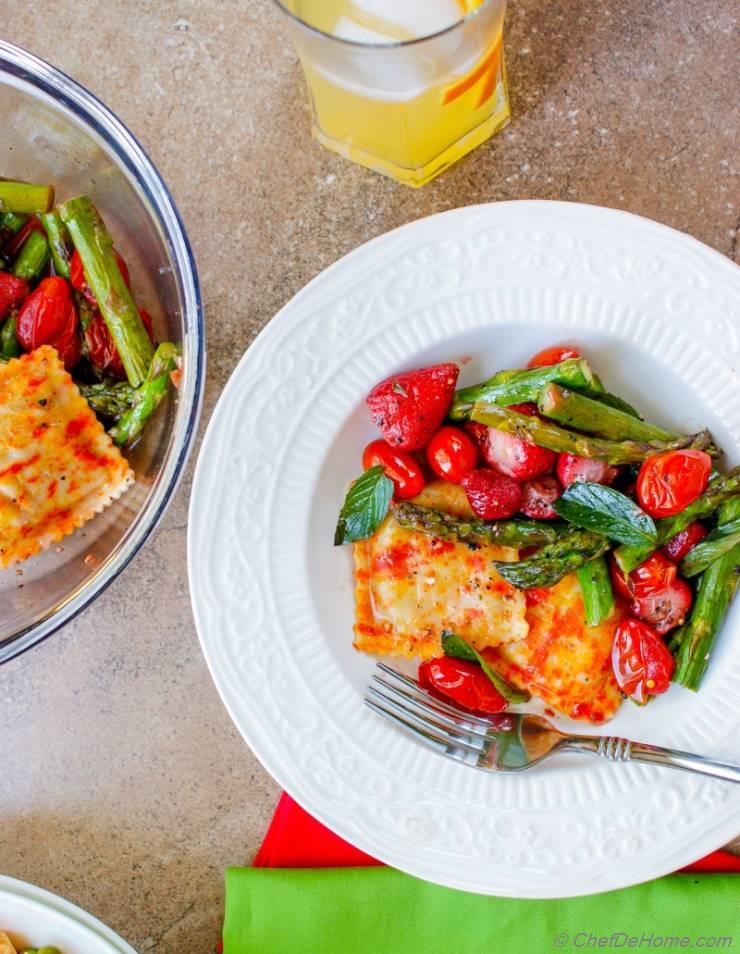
[{"x": 380, "y": 910}]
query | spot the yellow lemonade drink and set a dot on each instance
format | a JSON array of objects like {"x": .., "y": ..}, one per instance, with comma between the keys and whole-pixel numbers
[{"x": 405, "y": 87}]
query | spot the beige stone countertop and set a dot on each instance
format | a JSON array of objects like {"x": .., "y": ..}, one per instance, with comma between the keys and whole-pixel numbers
[{"x": 125, "y": 786}]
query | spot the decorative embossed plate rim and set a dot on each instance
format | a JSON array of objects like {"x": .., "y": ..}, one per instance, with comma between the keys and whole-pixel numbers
[{"x": 272, "y": 599}]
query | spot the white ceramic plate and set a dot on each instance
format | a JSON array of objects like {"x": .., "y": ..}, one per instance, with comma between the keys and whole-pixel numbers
[
  {"x": 32, "y": 916},
  {"x": 658, "y": 314}
]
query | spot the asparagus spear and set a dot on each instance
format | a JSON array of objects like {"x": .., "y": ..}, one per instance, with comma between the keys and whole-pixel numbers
[
  {"x": 32, "y": 257},
  {"x": 109, "y": 399},
  {"x": 598, "y": 392},
  {"x": 720, "y": 541},
  {"x": 9, "y": 347},
  {"x": 596, "y": 590},
  {"x": 25, "y": 197},
  {"x": 556, "y": 560},
  {"x": 446, "y": 526},
  {"x": 58, "y": 236},
  {"x": 715, "y": 592},
  {"x": 92, "y": 241},
  {"x": 519, "y": 387},
  {"x": 147, "y": 397},
  {"x": 558, "y": 439},
  {"x": 585, "y": 414},
  {"x": 10, "y": 224},
  {"x": 721, "y": 489}
]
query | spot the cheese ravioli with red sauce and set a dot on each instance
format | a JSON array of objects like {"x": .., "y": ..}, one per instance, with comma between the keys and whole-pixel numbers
[
  {"x": 411, "y": 586},
  {"x": 58, "y": 467}
]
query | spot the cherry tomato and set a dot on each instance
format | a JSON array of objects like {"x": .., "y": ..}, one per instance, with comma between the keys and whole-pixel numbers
[
  {"x": 451, "y": 454},
  {"x": 401, "y": 466},
  {"x": 538, "y": 496},
  {"x": 491, "y": 496},
  {"x": 12, "y": 292},
  {"x": 48, "y": 317},
  {"x": 462, "y": 681},
  {"x": 678, "y": 546},
  {"x": 665, "y": 609},
  {"x": 553, "y": 356},
  {"x": 79, "y": 282},
  {"x": 529, "y": 409},
  {"x": 653, "y": 576},
  {"x": 669, "y": 482},
  {"x": 642, "y": 664},
  {"x": 100, "y": 348}
]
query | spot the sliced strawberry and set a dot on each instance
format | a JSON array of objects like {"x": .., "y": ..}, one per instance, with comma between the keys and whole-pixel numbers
[
  {"x": 538, "y": 496},
  {"x": 490, "y": 495},
  {"x": 572, "y": 468},
  {"x": 666, "y": 608},
  {"x": 515, "y": 457},
  {"x": 408, "y": 408}
]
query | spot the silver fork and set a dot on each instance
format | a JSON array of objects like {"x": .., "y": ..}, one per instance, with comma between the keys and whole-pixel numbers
[{"x": 509, "y": 741}]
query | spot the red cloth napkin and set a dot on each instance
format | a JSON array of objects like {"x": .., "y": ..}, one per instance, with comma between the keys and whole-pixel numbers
[{"x": 296, "y": 840}]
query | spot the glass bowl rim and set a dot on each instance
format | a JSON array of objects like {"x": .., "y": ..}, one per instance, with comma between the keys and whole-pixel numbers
[
  {"x": 393, "y": 45},
  {"x": 104, "y": 125}
]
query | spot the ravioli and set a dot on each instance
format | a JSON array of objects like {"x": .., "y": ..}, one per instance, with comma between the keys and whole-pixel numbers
[
  {"x": 58, "y": 467},
  {"x": 562, "y": 661},
  {"x": 411, "y": 586}
]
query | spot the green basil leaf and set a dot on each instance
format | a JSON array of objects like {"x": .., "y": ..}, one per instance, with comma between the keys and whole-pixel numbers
[
  {"x": 458, "y": 648},
  {"x": 365, "y": 507},
  {"x": 608, "y": 512}
]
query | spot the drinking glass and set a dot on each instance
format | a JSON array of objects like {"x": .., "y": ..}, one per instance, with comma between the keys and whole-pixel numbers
[{"x": 404, "y": 87}]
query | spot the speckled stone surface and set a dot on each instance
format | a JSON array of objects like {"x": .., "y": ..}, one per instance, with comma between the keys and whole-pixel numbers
[{"x": 124, "y": 785}]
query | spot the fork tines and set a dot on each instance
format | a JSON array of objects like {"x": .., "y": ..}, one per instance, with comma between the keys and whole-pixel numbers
[{"x": 399, "y": 699}]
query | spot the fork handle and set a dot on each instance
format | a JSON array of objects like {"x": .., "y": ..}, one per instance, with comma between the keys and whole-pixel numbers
[{"x": 622, "y": 750}]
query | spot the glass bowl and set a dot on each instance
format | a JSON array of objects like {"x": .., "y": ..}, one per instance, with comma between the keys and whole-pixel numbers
[{"x": 54, "y": 131}]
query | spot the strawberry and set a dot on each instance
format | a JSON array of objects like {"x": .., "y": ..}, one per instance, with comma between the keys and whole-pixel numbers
[
  {"x": 409, "y": 408},
  {"x": 572, "y": 468},
  {"x": 538, "y": 496},
  {"x": 510, "y": 455},
  {"x": 491, "y": 496}
]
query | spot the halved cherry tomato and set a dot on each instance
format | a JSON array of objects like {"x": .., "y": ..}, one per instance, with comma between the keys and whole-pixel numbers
[
  {"x": 402, "y": 468},
  {"x": 642, "y": 664},
  {"x": 491, "y": 496},
  {"x": 48, "y": 317},
  {"x": 678, "y": 546},
  {"x": 462, "y": 681},
  {"x": 451, "y": 454},
  {"x": 12, "y": 293},
  {"x": 553, "y": 356},
  {"x": 79, "y": 282},
  {"x": 667, "y": 608},
  {"x": 100, "y": 348},
  {"x": 669, "y": 482}
]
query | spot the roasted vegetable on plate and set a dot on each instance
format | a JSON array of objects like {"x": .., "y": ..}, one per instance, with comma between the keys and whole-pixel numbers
[{"x": 533, "y": 534}]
